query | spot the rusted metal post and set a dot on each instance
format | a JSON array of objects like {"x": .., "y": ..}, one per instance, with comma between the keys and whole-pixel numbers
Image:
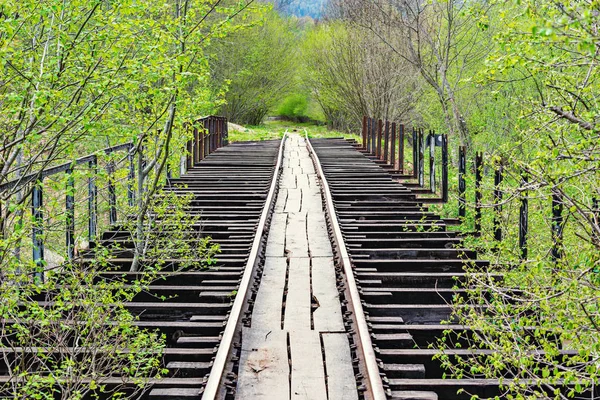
[
  {"x": 524, "y": 219},
  {"x": 379, "y": 134},
  {"x": 70, "y": 215},
  {"x": 498, "y": 204},
  {"x": 37, "y": 202},
  {"x": 386, "y": 142},
  {"x": 189, "y": 158},
  {"x": 478, "y": 194},
  {"x": 415, "y": 155},
  {"x": 112, "y": 194},
  {"x": 445, "y": 168},
  {"x": 421, "y": 159},
  {"x": 197, "y": 146},
  {"x": 432, "y": 161},
  {"x": 557, "y": 225},
  {"x": 131, "y": 179},
  {"x": 462, "y": 186},
  {"x": 92, "y": 200},
  {"x": 401, "y": 149},
  {"x": 364, "y": 132},
  {"x": 368, "y": 135},
  {"x": 393, "y": 147}
]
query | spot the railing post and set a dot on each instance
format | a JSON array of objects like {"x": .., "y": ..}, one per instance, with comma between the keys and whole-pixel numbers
[
  {"x": 92, "y": 200},
  {"x": 379, "y": 134},
  {"x": 393, "y": 147},
  {"x": 421, "y": 159},
  {"x": 401, "y": 149},
  {"x": 432, "y": 161},
  {"x": 70, "y": 214},
  {"x": 112, "y": 194},
  {"x": 197, "y": 146},
  {"x": 524, "y": 219},
  {"x": 415, "y": 145},
  {"x": 368, "y": 136},
  {"x": 131, "y": 178},
  {"x": 557, "y": 225},
  {"x": 364, "y": 132},
  {"x": 226, "y": 132},
  {"x": 445, "y": 168},
  {"x": 498, "y": 204},
  {"x": 462, "y": 186},
  {"x": 478, "y": 195},
  {"x": 374, "y": 137},
  {"x": 386, "y": 144},
  {"x": 37, "y": 202}
]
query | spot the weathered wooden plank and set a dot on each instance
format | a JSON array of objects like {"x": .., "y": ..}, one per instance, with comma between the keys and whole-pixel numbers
[
  {"x": 318, "y": 237},
  {"x": 276, "y": 239},
  {"x": 328, "y": 316},
  {"x": 308, "y": 374},
  {"x": 341, "y": 383},
  {"x": 264, "y": 367},
  {"x": 294, "y": 201},
  {"x": 268, "y": 305},
  {"x": 297, "y": 307},
  {"x": 281, "y": 200},
  {"x": 296, "y": 242}
]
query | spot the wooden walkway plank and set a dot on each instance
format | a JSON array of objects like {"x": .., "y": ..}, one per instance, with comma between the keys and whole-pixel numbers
[
  {"x": 308, "y": 374},
  {"x": 268, "y": 305},
  {"x": 296, "y": 242},
  {"x": 297, "y": 307},
  {"x": 328, "y": 316},
  {"x": 264, "y": 367},
  {"x": 276, "y": 239},
  {"x": 318, "y": 237},
  {"x": 341, "y": 383}
]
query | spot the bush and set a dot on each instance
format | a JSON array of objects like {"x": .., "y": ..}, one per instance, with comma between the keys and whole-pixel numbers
[{"x": 294, "y": 107}]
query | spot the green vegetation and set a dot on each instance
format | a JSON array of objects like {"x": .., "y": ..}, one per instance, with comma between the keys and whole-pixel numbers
[{"x": 518, "y": 80}]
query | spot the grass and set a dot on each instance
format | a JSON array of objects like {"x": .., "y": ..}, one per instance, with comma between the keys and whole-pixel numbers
[{"x": 275, "y": 130}]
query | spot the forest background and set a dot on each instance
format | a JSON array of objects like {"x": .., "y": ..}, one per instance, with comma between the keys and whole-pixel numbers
[{"x": 517, "y": 80}]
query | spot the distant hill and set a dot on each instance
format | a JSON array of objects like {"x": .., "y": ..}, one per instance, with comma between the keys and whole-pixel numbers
[{"x": 302, "y": 8}]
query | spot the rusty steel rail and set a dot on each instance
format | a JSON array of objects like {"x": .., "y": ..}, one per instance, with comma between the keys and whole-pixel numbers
[
  {"x": 368, "y": 360},
  {"x": 214, "y": 383}
]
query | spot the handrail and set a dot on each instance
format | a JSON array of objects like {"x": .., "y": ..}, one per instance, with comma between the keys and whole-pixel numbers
[{"x": 24, "y": 180}]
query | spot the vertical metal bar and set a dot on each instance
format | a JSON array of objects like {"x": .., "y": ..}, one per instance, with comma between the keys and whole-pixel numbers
[
  {"x": 364, "y": 132},
  {"x": 374, "y": 137},
  {"x": 70, "y": 215},
  {"x": 131, "y": 179},
  {"x": 421, "y": 159},
  {"x": 92, "y": 200},
  {"x": 415, "y": 145},
  {"x": 445, "y": 168},
  {"x": 401, "y": 149},
  {"x": 379, "y": 134},
  {"x": 432, "y": 161},
  {"x": 37, "y": 202},
  {"x": 386, "y": 142},
  {"x": 226, "y": 138},
  {"x": 393, "y": 146},
  {"x": 112, "y": 194},
  {"x": 368, "y": 135},
  {"x": 498, "y": 204},
  {"x": 557, "y": 225},
  {"x": 478, "y": 194},
  {"x": 524, "y": 219},
  {"x": 190, "y": 156},
  {"x": 197, "y": 146},
  {"x": 462, "y": 186}
]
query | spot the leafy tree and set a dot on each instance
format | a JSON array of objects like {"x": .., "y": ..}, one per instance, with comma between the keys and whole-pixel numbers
[{"x": 257, "y": 67}]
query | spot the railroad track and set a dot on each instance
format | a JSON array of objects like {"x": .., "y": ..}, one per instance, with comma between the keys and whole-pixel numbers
[
  {"x": 232, "y": 192},
  {"x": 397, "y": 271}
]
